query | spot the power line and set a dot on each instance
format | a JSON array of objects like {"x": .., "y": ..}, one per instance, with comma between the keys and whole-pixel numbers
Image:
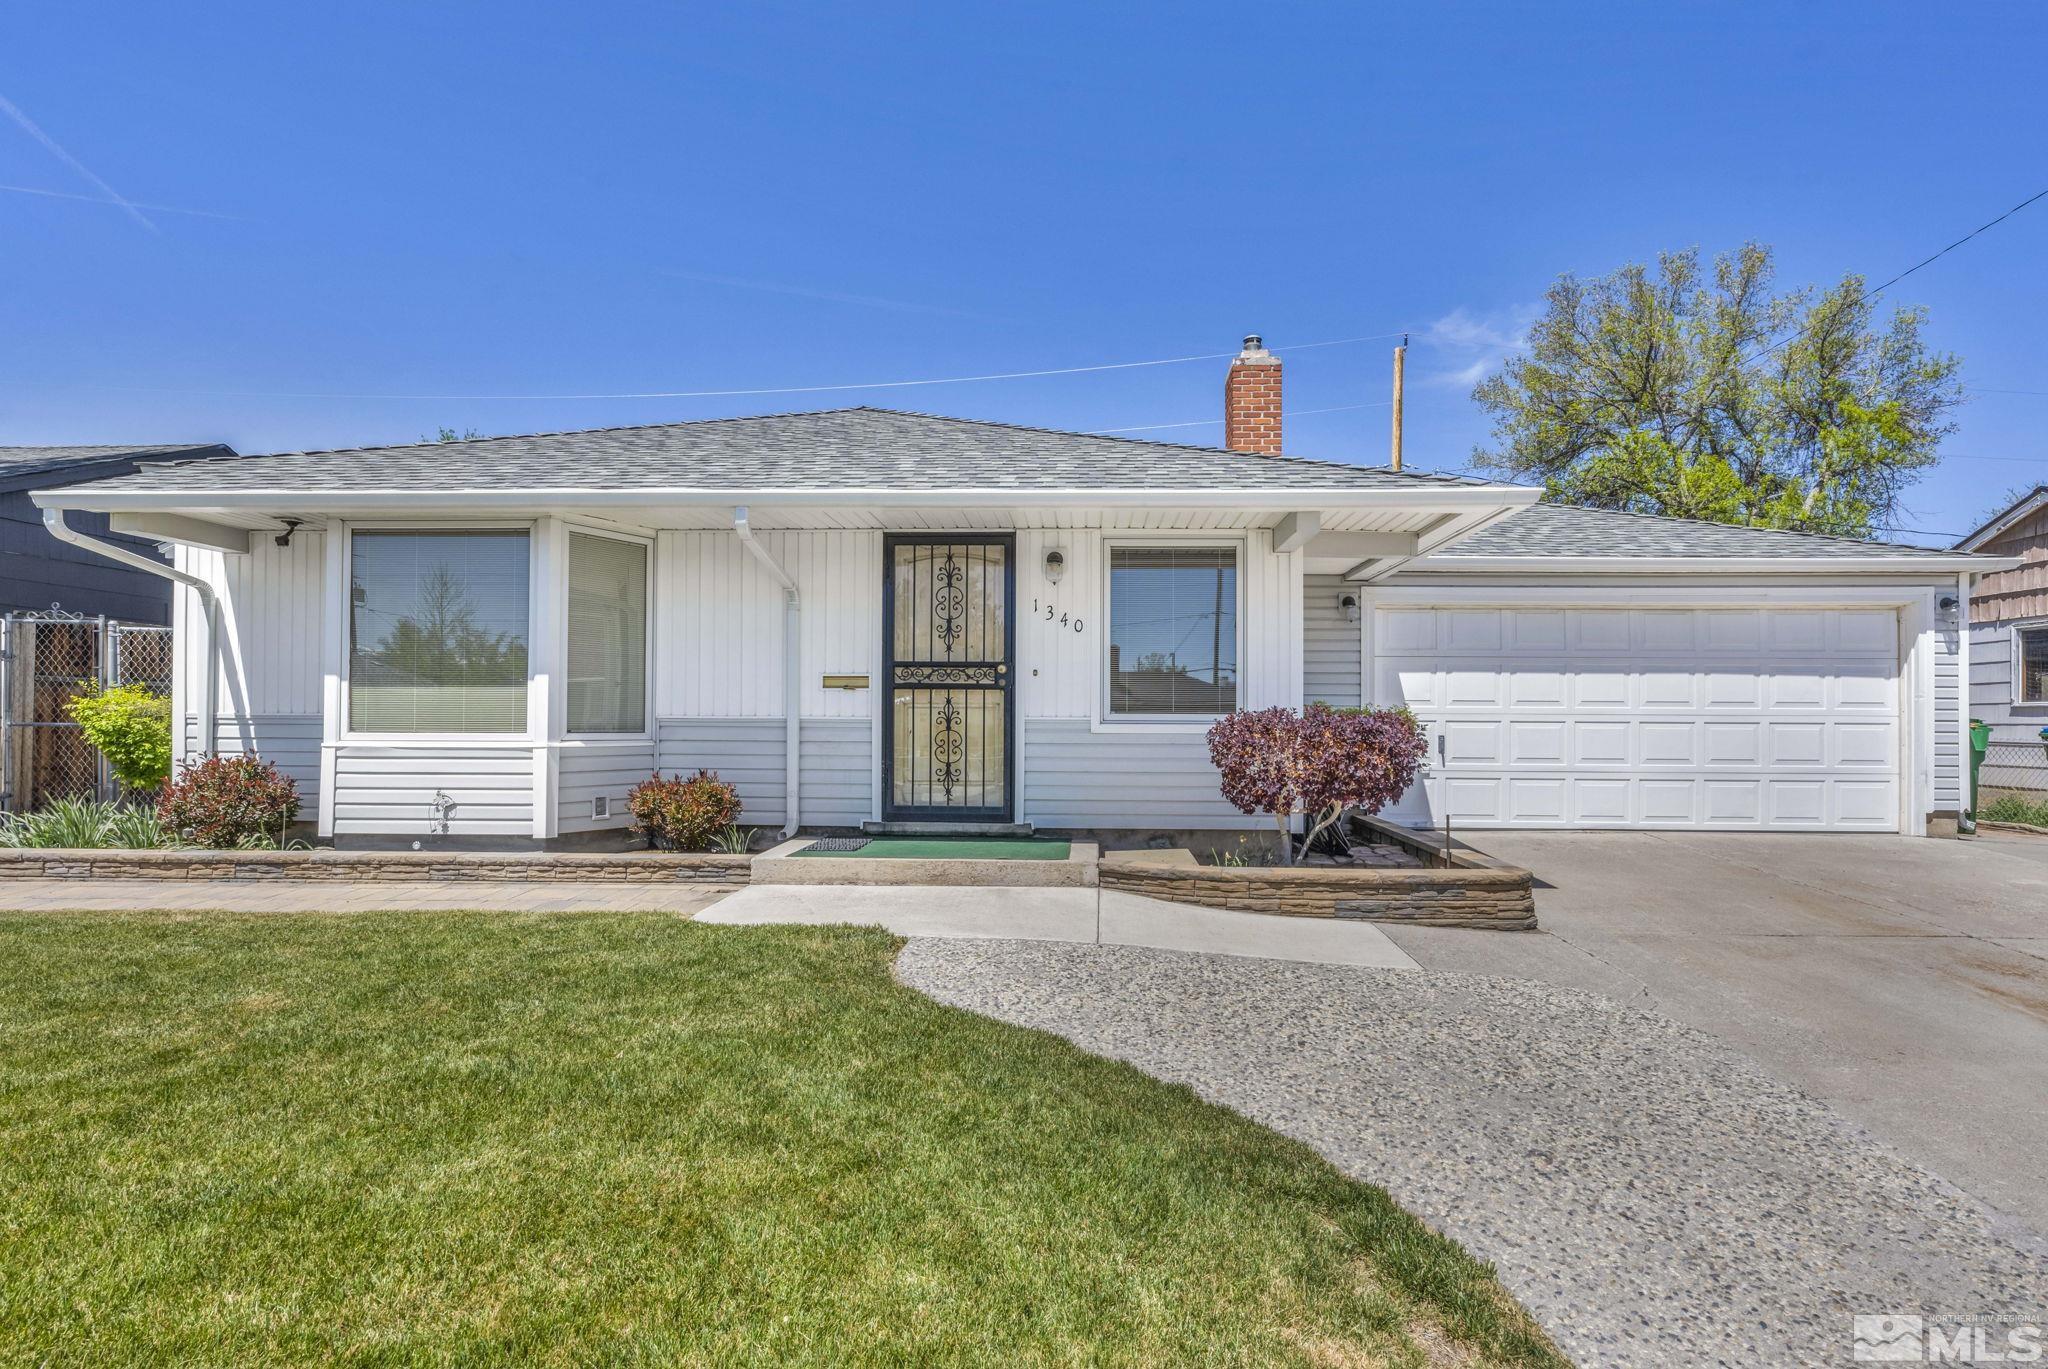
[
  {"x": 747, "y": 393},
  {"x": 1927, "y": 261}
]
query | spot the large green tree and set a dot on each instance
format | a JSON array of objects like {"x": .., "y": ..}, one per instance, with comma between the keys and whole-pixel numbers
[{"x": 1704, "y": 393}]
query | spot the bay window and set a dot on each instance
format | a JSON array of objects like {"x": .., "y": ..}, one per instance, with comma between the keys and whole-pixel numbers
[
  {"x": 1172, "y": 631},
  {"x": 438, "y": 631},
  {"x": 607, "y": 634}
]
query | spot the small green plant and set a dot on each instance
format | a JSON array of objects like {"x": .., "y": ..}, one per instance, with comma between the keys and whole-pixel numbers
[
  {"x": 1218, "y": 856},
  {"x": 224, "y": 801},
  {"x": 131, "y": 726},
  {"x": 2013, "y": 808},
  {"x": 684, "y": 814},
  {"x": 733, "y": 841},
  {"x": 82, "y": 824}
]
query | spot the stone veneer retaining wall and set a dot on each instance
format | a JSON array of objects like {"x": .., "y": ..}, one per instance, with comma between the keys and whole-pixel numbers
[
  {"x": 1500, "y": 899},
  {"x": 650, "y": 867}
]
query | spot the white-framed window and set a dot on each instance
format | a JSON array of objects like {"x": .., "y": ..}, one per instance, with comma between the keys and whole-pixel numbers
[
  {"x": 607, "y": 634},
  {"x": 1173, "y": 632},
  {"x": 2030, "y": 663},
  {"x": 438, "y": 630}
]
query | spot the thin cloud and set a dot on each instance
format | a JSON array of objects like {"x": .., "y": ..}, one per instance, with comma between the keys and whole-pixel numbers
[
  {"x": 834, "y": 296},
  {"x": 28, "y": 126},
  {"x": 1473, "y": 345},
  {"x": 118, "y": 204}
]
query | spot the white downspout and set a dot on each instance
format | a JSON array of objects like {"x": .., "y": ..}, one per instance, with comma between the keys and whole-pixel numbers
[
  {"x": 792, "y": 666},
  {"x": 53, "y": 519}
]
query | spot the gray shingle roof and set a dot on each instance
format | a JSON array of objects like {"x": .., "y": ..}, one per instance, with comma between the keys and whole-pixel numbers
[
  {"x": 836, "y": 449},
  {"x": 16, "y": 461},
  {"x": 1563, "y": 530}
]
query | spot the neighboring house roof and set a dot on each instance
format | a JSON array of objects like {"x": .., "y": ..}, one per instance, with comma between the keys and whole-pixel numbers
[
  {"x": 1562, "y": 530},
  {"x": 2028, "y": 504},
  {"x": 830, "y": 450},
  {"x": 50, "y": 466}
]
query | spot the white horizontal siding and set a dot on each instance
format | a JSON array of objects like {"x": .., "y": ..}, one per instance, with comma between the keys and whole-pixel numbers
[
  {"x": 290, "y": 742},
  {"x": 744, "y": 752},
  {"x": 836, "y": 759},
  {"x": 719, "y": 623},
  {"x": 585, "y": 771},
  {"x": 1073, "y": 776},
  {"x": 1331, "y": 659},
  {"x": 388, "y": 790},
  {"x": 1948, "y": 739}
]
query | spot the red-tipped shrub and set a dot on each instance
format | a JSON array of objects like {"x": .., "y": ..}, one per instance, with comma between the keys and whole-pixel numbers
[
  {"x": 229, "y": 801},
  {"x": 684, "y": 814},
  {"x": 1318, "y": 763}
]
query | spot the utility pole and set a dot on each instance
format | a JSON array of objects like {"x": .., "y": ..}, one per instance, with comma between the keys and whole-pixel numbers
[{"x": 1400, "y": 371}]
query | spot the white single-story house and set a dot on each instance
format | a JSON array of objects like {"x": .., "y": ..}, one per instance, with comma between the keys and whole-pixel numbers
[
  {"x": 2009, "y": 647},
  {"x": 864, "y": 616}
]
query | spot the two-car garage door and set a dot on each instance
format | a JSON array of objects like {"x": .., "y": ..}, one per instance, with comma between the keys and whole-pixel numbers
[{"x": 1767, "y": 718}]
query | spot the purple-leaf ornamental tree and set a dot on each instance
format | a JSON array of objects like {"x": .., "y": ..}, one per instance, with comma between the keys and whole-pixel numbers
[{"x": 1316, "y": 764}]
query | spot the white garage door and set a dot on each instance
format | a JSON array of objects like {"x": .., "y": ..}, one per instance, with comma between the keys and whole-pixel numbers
[{"x": 1712, "y": 718}]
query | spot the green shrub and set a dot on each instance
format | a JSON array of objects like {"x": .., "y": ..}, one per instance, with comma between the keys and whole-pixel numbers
[
  {"x": 684, "y": 814},
  {"x": 131, "y": 727},
  {"x": 2013, "y": 808},
  {"x": 81, "y": 824},
  {"x": 230, "y": 802}
]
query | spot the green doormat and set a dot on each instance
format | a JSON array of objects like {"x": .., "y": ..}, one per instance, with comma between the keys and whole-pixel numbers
[{"x": 950, "y": 848}]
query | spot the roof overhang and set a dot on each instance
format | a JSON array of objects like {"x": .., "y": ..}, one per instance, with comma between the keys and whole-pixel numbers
[
  {"x": 1933, "y": 564},
  {"x": 341, "y": 503},
  {"x": 2025, "y": 506}
]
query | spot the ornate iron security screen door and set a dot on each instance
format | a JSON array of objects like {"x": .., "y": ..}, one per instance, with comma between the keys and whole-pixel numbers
[{"x": 947, "y": 635}]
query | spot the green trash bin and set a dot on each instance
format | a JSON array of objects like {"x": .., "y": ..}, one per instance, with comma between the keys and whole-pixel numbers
[{"x": 1980, "y": 742}]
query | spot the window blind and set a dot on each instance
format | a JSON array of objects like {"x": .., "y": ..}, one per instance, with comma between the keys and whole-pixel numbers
[
  {"x": 607, "y": 634},
  {"x": 1172, "y": 630},
  {"x": 438, "y": 631}
]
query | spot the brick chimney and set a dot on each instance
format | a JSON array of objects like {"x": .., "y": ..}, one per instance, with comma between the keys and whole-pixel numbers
[{"x": 1251, "y": 401}]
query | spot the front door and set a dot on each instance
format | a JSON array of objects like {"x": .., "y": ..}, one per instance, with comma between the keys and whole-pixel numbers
[{"x": 947, "y": 635}]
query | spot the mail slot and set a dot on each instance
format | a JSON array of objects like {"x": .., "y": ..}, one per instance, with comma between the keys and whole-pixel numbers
[{"x": 846, "y": 682}]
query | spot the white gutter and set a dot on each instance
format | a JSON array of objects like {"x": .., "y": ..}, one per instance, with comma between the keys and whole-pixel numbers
[
  {"x": 792, "y": 666},
  {"x": 53, "y": 519},
  {"x": 1941, "y": 563},
  {"x": 1267, "y": 500}
]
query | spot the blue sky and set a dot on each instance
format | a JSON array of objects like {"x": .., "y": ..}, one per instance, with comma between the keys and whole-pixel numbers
[{"x": 517, "y": 199}]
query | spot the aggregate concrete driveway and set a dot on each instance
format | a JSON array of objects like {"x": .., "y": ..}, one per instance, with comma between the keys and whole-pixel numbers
[
  {"x": 1651, "y": 1195},
  {"x": 1904, "y": 982}
]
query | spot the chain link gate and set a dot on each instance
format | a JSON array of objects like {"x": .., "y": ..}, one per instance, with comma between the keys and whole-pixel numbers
[{"x": 44, "y": 657}]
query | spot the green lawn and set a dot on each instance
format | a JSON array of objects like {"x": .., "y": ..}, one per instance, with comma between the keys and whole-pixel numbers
[{"x": 479, "y": 1138}]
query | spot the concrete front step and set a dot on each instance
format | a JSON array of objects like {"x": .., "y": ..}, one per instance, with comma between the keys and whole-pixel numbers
[
  {"x": 947, "y": 829},
  {"x": 783, "y": 866}
]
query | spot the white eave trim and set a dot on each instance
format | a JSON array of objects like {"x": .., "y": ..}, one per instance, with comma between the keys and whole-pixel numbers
[
  {"x": 2025, "y": 508},
  {"x": 1933, "y": 564},
  {"x": 1451, "y": 497}
]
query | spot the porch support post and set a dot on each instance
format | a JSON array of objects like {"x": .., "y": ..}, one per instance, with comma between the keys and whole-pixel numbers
[{"x": 792, "y": 668}]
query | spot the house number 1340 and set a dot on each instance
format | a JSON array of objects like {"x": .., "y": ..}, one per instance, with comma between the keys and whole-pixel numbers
[{"x": 1063, "y": 620}]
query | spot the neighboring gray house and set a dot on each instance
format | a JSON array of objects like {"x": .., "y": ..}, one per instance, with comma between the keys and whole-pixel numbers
[
  {"x": 39, "y": 572},
  {"x": 2009, "y": 646}
]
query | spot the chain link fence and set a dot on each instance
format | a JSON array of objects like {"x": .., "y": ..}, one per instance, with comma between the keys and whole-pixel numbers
[
  {"x": 2018, "y": 769},
  {"x": 44, "y": 658}
]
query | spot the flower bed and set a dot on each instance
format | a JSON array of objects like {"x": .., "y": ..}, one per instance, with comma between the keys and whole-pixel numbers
[
  {"x": 1472, "y": 890},
  {"x": 629, "y": 867}
]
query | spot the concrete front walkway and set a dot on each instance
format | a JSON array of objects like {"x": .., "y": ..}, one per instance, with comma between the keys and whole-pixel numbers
[
  {"x": 1902, "y": 980},
  {"x": 1091, "y": 916}
]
